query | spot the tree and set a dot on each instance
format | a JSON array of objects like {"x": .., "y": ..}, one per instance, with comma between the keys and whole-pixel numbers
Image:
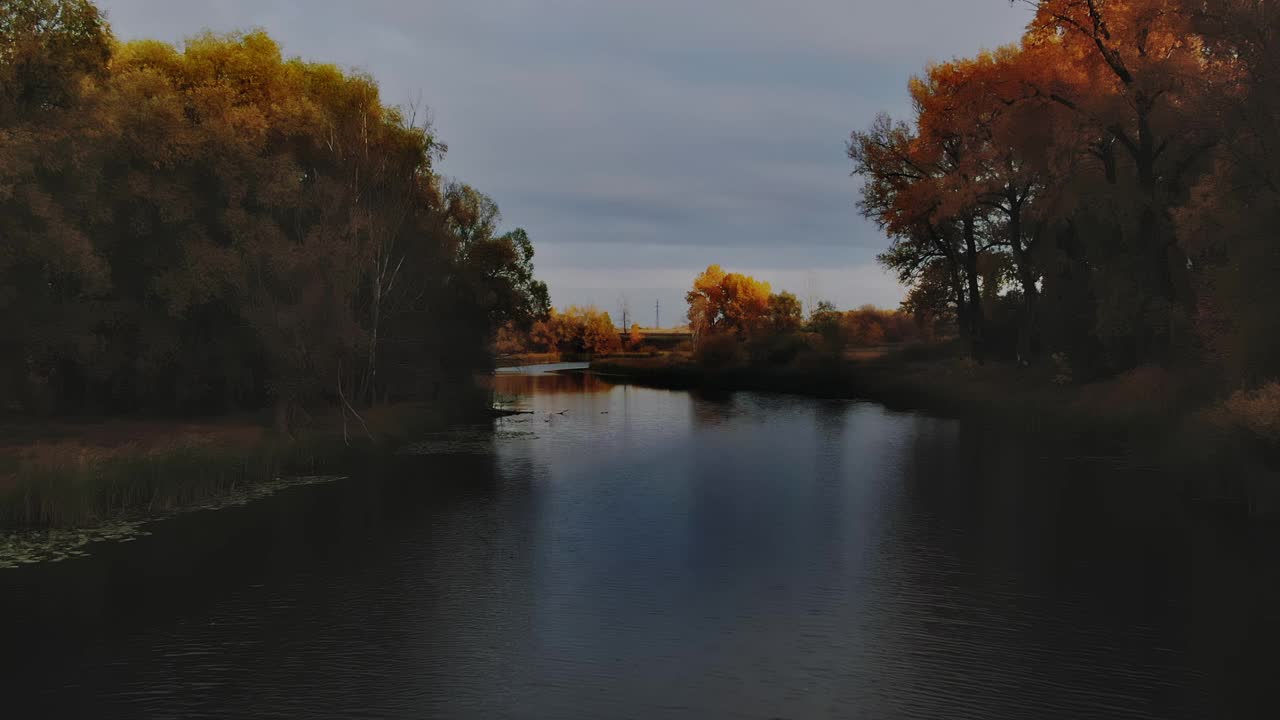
[
  {"x": 599, "y": 334},
  {"x": 827, "y": 323},
  {"x": 785, "y": 314},
  {"x": 1228, "y": 222},
  {"x": 577, "y": 330},
  {"x": 864, "y": 326},
  {"x": 49, "y": 267},
  {"x": 490, "y": 280},
  {"x": 901, "y": 193},
  {"x": 46, "y": 48},
  {"x": 218, "y": 227},
  {"x": 727, "y": 303},
  {"x": 1132, "y": 72},
  {"x": 546, "y": 333},
  {"x": 1068, "y": 157},
  {"x": 1004, "y": 163}
]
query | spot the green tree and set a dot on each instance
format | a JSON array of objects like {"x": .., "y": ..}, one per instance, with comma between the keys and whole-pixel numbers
[
  {"x": 785, "y": 314},
  {"x": 46, "y": 48}
]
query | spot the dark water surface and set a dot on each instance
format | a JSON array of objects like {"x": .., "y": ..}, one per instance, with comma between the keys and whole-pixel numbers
[{"x": 654, "y": 554}]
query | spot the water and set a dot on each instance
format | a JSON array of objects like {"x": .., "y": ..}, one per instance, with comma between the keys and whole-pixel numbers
[{"x": 633, "y": 553}]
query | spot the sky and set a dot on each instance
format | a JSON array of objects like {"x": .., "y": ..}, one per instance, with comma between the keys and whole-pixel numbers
[{"x": 638, "y": 141}]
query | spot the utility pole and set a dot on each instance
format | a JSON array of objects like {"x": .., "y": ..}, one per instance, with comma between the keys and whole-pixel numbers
[
  {"x": 811, "y": 283},
  {"x": 657, "y": 314}
]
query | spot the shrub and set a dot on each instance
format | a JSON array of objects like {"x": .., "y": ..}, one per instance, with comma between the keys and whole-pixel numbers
[
  {"x": 1062, "y": 369},
  {"x": 718, "y": 351},
  {"x": 776, "y": 349},
  {"x": 1256, "y": 412}
]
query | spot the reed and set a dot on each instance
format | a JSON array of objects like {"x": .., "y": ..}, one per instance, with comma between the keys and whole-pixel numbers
[{"x": 69, "y": 485}]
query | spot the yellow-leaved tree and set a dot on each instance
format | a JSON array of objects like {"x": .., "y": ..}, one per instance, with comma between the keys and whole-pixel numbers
[{"x": 723, "y": 303}]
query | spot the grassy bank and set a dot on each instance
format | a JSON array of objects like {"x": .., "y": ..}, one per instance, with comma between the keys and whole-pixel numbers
[
  {"x": 1170, "y": 417},
  {"x": 1142, "y": 401},
  {"x": 86, "y": 474},
  {"x": 522, "y": 359}
]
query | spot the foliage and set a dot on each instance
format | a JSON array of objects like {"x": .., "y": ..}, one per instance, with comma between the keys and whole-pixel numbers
[
  {"x": 1256, "y": 412},
  {"x": 777, "y": 348},
  {"x": 784, "y": 313},
  {"x": 727, "y": 303},
  {"x": 46, "y": 48},
  {"x": 719, "y": 351},
  {"x": 576, "y": 330},
  {"x": 214, "y": 226},
  {"x": 737, "y": 320},
  {"x": 826, "y": 323},
  {"x": 1066, "y": 160}
]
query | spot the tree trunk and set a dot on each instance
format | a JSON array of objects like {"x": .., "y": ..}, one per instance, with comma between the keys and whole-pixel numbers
[
  {"x": 1163, "y": 261},
  {"x": 1027, "y": 280},
  {"x": 368, "y": 385},
  {"x": 977, "y": 319},
  {"x": 962, "y": 305},
  {"x": 284, "y": 416}
]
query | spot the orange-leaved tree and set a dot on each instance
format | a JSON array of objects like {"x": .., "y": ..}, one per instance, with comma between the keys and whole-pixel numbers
[{"x": 723, "y": 303}]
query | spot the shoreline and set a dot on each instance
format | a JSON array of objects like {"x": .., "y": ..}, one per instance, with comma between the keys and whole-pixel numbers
[
  {"x": 80, "y": 476},
  {"x": 1143, "y": 416}
]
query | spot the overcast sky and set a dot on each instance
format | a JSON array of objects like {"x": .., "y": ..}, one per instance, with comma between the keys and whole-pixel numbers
[{"x": 639, "y": 141}]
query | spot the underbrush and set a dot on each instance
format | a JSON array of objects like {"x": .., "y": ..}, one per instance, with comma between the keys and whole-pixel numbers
[{"x": 69, "y": 484}]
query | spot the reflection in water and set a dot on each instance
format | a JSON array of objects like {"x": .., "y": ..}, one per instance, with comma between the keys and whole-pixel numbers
[{"x": 627, "y": 552}]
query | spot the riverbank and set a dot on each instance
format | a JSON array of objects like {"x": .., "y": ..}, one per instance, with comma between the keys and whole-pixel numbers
[
  {"x": 525, "y": 359},
  {"x": 85, "y": 474},
  {"x": 1170, "y": 417}
]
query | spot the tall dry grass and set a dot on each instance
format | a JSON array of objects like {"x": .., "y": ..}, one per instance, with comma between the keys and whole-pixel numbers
[
  {"x": 68, "y": 484},
  {"x": 1254, "y": 412}
]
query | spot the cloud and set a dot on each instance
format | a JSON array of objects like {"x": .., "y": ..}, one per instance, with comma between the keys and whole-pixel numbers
[{"x": 616, "y": 132}]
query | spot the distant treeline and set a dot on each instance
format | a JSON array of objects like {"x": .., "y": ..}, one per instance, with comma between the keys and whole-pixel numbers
[
  {"x": 736, "y": 319},
  {"x": 574, "y": 330},
  {"x": 1108, "y": 191},
  {"x": 214, "y": 227}
]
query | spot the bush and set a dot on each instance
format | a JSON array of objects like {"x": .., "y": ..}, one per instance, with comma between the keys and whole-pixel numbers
[
  {"x": 776, "y": 349},
  {"x": 925, "y": 351},
  {"x": 719, "y": 351},
  {"x": 1256, "y": 412}
]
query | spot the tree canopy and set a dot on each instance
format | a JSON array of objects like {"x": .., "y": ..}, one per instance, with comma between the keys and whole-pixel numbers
[
  {"x": 723, "y": 302},
  {"x": 217, "y": 226},
  {"x": 1092, "y": 190}
]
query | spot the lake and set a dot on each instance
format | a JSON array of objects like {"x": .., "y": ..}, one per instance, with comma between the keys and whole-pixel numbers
[{"x": 625, "y": 552}]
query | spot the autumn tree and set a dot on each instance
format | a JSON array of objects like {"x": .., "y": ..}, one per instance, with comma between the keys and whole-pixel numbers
[
  {"x": 1133, "y": 74},
  {"x": 865, "y": 326},
  {"x": 578, "y": 330},
  {"x": 902, "y": 192},
  {"x": 49, "y": 267},
  {"x": 723, "y": 303},
  {"x": 216, "y": 226},
  {"x": 1004, "y": 165},
  {"x": 46, "y": 48},
  {"x": 1228, "y": 223},
  {"x": 1070, "y": 156},
  {"x": 598, "y": 334}
]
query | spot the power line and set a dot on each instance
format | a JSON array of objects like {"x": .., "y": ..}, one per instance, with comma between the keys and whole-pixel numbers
[{"x": 624, "y": 309}]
